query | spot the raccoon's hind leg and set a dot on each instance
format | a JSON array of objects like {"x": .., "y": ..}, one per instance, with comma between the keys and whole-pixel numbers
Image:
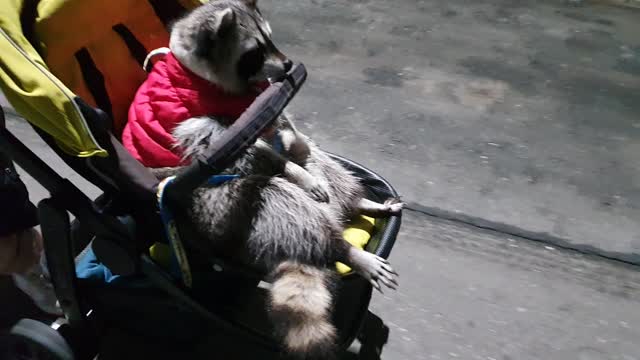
[
  {"x": 371, "y": 267},
  {"x": 390, "y": 207}
]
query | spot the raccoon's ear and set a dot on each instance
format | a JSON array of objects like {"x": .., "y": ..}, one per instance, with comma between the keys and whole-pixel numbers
[
  {"x": 214, "y": 30},
  {"x": 226, "y": 20}
]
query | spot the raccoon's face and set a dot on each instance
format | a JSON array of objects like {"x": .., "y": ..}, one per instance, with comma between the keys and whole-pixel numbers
[{"x": 228, "y": 42}]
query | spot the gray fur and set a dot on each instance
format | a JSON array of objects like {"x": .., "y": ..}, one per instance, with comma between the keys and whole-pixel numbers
[
  {"x": 301, "y": 299},
  {"x": 212, "y": 39},
  {"x": 267, "y": 221},
  {"x": 285, "y": 222},
  {"x": 287, "y": 211}
]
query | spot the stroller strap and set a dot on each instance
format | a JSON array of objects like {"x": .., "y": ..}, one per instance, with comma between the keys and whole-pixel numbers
[
  {"x": 171, "y": 229},
  {"x": 147, "y": 65}
]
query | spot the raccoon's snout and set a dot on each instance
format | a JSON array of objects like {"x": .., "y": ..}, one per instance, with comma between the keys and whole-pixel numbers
[
  {"x": 288, "y": 64},
  {"x": 275, "y": 68},
  {"x": 272, "y": 68}
]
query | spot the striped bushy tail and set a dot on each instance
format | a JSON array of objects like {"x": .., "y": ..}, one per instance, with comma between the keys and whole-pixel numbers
[{"x": 301, "y": 310}]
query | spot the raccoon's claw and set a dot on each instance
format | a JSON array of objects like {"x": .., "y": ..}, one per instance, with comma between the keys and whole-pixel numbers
[
  {"x": 394, "y": 205},
  {"x": 374, "y": 268},
  {"x": 376, "y": 285},
  {"x": 389, "y": 269},
  {"x": 391, "y": 284},
  {"x": 388, "y": 276},
  {"x": 319, "y": 191},
  {"x": 319, "y": 194}
]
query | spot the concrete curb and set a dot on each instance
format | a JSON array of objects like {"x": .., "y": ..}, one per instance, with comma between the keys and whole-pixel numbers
[{"x": 506, "y": 229}]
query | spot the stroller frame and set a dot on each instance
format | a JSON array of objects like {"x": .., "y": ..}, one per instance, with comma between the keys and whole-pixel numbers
[{"x": 116, "y": 241}]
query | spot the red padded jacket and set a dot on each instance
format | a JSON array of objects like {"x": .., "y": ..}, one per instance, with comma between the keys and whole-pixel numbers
[{"x": 170, "y": 95}]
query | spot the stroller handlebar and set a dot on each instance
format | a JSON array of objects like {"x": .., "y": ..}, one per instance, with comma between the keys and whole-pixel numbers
[{"x": 239, "y": 136}]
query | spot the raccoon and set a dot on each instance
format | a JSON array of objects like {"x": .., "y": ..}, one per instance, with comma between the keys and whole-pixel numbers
[{"x": 286, "y": 211}]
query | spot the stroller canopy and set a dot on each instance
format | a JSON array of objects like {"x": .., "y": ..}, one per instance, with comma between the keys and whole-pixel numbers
[{"x": 53, "y": 51}]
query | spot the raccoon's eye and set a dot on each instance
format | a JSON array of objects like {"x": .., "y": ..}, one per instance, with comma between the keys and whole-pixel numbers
[{"x": 251, "y": 62}]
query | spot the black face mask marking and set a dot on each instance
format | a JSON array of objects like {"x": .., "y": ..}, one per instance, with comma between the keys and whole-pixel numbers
[{"x": 251, "y": 62}]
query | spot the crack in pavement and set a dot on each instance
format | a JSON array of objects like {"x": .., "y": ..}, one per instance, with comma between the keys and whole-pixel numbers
[{"x": 506, "y": 229}]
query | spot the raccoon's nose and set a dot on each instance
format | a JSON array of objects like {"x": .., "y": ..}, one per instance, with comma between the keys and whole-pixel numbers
[{"x": 288, "y": 64}]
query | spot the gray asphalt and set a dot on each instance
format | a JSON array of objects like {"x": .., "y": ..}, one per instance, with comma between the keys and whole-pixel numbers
[
  {"x": 471, "y": 294},
  {"x": 522, "y": 113}
]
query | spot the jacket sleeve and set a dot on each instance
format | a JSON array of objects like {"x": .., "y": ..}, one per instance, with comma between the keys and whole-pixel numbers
[{"x": 16, "y": 211}]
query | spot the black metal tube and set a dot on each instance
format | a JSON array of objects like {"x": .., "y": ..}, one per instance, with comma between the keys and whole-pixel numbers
[
  {"x": 27, "y": 160},
  {"x": 76, "y": 201}
]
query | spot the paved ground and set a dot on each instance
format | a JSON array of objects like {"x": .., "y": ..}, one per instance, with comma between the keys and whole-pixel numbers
[
  {"x": 515, "y": 114},
  {"x": 470, "y": 294},
  {"x": 523, "y": 113}
]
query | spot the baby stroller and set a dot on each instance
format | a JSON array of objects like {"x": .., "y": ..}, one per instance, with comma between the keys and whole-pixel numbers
[{"x": 71, "y": 68}]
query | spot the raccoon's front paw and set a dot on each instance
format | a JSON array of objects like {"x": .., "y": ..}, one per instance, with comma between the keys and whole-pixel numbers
[
  {"x": 319, "y": 190},
  {"x": 394, "y": 206},
  {"x": 373, "y": 268}
]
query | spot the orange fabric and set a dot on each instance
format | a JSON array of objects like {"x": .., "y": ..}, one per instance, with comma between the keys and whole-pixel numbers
[
  {"x": 73, "y": 25},
  {"x": 41, "y": 76}
]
